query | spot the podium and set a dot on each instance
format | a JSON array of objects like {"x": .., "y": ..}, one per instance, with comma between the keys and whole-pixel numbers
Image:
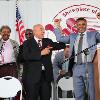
[{"x": 96, "y": 63}]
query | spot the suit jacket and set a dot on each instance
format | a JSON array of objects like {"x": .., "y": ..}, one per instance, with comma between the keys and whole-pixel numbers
[
  {"x": 33, "y": 59},
  {"x": 92, "y": 38},
  {"x": 15, "y": 47},
  {"x": 20, "y": 58}
]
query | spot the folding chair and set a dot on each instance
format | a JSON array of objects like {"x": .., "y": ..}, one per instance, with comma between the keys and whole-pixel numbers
[
  {"x": 10, "y": 87},
  {"x": 66, "y": 84}
]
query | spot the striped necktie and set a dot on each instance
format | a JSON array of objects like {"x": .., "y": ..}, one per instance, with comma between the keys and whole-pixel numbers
[{"x": 40, "y": 43}]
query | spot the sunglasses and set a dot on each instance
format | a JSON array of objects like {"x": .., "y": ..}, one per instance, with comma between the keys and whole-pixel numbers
[{"x": 28, "y": 33}]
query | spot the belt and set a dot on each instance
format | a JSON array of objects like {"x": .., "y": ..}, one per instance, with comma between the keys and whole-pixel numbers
[
  {"x": 9, "y": 64},
  {"x": 78, "y": 63},
  {"x": 81, "y": 63}
]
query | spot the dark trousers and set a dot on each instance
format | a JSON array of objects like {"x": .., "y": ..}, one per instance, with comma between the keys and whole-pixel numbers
[
  {"x": 9, "y": 69},
  {"x": 40, "y": 89}
]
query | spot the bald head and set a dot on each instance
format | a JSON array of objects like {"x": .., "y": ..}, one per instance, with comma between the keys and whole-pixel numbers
[{"x": 38, "y": 31}]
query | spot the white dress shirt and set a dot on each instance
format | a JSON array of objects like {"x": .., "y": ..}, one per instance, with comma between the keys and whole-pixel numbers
[
  {"x": 8, "y": 52},
  {"x": 38, "y": 40}
]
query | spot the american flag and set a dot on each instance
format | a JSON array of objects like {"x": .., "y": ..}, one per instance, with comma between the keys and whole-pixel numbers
[{"x": 20, "y": 26}]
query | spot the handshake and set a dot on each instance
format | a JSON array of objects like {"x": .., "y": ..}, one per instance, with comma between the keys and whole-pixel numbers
[{"x": 46, "y": 50}]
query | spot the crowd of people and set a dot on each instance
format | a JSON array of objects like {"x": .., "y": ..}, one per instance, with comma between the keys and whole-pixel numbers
[{"x": 31, "y": 62}]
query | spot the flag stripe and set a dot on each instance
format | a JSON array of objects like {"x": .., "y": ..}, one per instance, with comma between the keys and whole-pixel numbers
[{"x": 20, "y": 26}]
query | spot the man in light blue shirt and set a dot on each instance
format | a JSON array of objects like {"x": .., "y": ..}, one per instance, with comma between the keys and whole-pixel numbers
[{"x": 60, "y": 68}]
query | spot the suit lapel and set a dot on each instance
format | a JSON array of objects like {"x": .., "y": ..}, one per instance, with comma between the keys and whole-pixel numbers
[
  {"x": 15, "y": 47},
  {"x": 88, "y": 35},
  {"x": 35, "y": 44},
  {"x": 44, "y": 43},
  {"x": 89, "y": 38},
  {"x": 73, "y": 40},
  {"x": 91, "y": 42},
  {"x": 1, "y": 43}
]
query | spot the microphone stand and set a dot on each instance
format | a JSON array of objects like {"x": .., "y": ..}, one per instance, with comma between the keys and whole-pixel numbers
[
  {"x": 78, "y": 53},
  {"x": 86, "y": 52}
]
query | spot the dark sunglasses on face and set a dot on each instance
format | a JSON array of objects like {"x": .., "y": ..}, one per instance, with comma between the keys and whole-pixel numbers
[{"x": 28, "y": 33}]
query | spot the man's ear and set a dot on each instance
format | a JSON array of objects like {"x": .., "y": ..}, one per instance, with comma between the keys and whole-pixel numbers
[
  {"x": 33, "y": 31},
  {"x": 98, "y": 15}
]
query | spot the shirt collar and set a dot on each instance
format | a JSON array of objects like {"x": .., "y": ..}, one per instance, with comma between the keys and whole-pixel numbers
[
  {"x": 82, "y": 33},
  {"x": 37, "y": 39},
  {"x": 6, "y": 41}
]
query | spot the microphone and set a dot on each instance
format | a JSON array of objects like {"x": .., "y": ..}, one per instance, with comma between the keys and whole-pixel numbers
[{"x": 86, "y": 51}]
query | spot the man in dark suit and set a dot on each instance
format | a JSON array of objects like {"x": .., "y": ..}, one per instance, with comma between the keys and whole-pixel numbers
[
  {"x": 28, "y": 35},
  {"x": 37, "y": 70},
  {"x": 20, "y": 59}
]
